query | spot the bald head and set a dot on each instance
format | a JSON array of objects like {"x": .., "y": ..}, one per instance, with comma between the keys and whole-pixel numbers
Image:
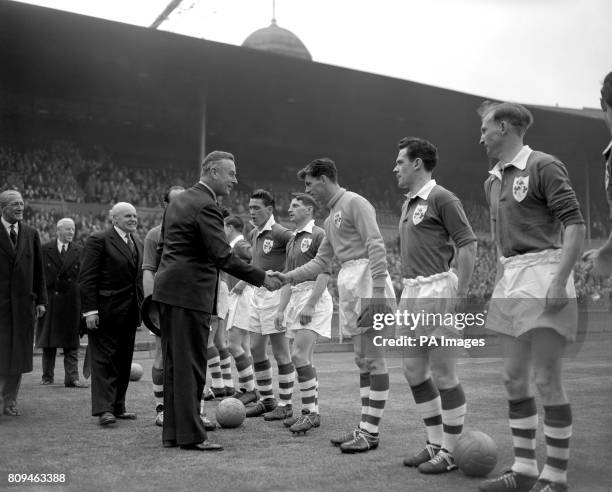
[
  {"x": 11, "y": 206},
  {"x": 124, "y": 217}
]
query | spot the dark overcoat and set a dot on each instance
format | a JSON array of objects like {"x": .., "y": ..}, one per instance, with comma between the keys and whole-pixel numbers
[
  {"x": 60, "y": 325},
  {"x": 22, "y": 287}
]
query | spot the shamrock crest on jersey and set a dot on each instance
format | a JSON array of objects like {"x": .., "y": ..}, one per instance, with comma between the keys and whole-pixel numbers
[
  {"x": 520, "y": 187},
  {"x": 267, "y": 245},
  {"x": 338, "y": 219},
  {"x": 305, "y": 244},
  {"x": 419, "y": 213}
]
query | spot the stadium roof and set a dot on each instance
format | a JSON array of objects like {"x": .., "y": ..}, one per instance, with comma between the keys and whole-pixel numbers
[{"x": 156, "y": 96}]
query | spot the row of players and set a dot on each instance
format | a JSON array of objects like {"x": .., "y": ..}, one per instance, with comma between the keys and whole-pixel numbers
[{"x": 533, "y": 206}]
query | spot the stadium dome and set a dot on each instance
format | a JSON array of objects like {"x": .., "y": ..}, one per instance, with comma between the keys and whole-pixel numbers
[{"x": 277, "y": 40}]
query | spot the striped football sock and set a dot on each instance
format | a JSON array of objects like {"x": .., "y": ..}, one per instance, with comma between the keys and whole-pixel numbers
[
  {"x": 314, "y": 370},
  {"x": 157, "y": 375},
  {"x": 214, "y": 367},
  {"x": 244, "y": 368},
  {"x": 558, "y": 431},
  {"x": 263, "y": 378},
  {"x": 226, "y": 368},
  {"x": 523, "y": 424},
  {"x": 286, "y": 380},
  {"x": 364, "y": 392},
  {"x": 429, "y": 405},
  {"x": 308, "y": 388},
  {"x": 453, "y": 415},
  {"x": 377, "y": 398}
]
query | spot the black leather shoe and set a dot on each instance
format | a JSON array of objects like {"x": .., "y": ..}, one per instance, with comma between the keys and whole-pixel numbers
[
  {"x": 203, "y": 446},
  {"x": 261, "y": 407},
  {"x": 46, "y": 382},
  {"x": 107, "y": 418},
  {"x": 170, "y": 444},
  {"x": 126, "y": 416}
]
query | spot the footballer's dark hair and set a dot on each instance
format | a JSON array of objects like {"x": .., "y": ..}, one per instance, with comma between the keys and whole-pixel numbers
[
  {"x": 306, "y": 200},
  {"x": 421, "y": 148},
  {"x": 235, "y": 221},
  {"x": 323, "y": 166},
  {"x": 265, "y": 196}
]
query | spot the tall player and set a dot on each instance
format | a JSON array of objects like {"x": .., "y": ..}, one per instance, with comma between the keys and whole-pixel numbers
[
  {"x": 269, "y": 241},
  {"x": 432, "y": 220},
  {"x": 305, "y": 310},
  {"x": 150, "y": 263},
  {"x": 353, "y": 236},
  {"x": 601, "y": 258},
  {"x": 533, "y": 308}
]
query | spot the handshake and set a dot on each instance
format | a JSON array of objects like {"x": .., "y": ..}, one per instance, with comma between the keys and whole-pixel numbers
[{"x": 276, "y": 280}]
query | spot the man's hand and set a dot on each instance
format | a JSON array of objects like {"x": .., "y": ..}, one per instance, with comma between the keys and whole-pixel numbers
[
  {"x": 40, "y": 311},
  {"x": 92, "y": 321},
  {"x": 279, "y": 319},
  {"x": 306, "y": 314},
  {"x": 275, "y": 280},
  {"x": 556, "y": 296},
  {"x": 377, "y": 305},
  {"x": 600, "y": 265}
]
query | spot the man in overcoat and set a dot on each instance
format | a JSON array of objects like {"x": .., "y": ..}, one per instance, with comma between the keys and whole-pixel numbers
[
  {"x": 59, "y": 328},
  {"x": 22, "y": 297}
]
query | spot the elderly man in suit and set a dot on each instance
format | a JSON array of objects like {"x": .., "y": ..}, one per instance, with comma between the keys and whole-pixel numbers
[
  {"x": 59, "y": 328},
  {"x": 194, "y": 249},
  {"x": 22, "y": 297},
  {"x": 111, "y": 293}
]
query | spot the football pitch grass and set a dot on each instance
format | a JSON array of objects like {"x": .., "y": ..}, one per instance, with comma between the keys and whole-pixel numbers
[{"x": 56, "y": 434}]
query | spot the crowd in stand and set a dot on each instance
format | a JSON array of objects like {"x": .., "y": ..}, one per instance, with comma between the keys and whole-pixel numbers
[{"x": 60, "y": 172}]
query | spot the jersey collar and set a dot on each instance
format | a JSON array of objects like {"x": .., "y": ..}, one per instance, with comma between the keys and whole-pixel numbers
[
  {"x": 424, "y": 191},
  {"x": 519, "y": 161},
  {"x": 307, "y": 228},
  {"x": 267, "y": 226}
]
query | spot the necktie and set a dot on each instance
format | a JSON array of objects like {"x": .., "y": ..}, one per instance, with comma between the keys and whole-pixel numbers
[
  {"x": 13, "y": 235},
  {"x": 130, "y": 243},
  {"x": 63, "y": 252}
]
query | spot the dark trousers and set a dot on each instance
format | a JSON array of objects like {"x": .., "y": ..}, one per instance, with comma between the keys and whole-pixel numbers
[
  {"x": 9, "y": 389},
  {"x": 110, "y": 349},
  {"x": 184, "y": 336},
  {"x": 71, "y": 369}
]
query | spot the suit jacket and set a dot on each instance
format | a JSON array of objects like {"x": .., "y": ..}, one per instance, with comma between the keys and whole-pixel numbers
[
  {"x": 59, "y": 327},
  {"x": 22, "y": 286},
  {"x": 194, "y": 249},
  {"x": 110, "y": 280}
]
